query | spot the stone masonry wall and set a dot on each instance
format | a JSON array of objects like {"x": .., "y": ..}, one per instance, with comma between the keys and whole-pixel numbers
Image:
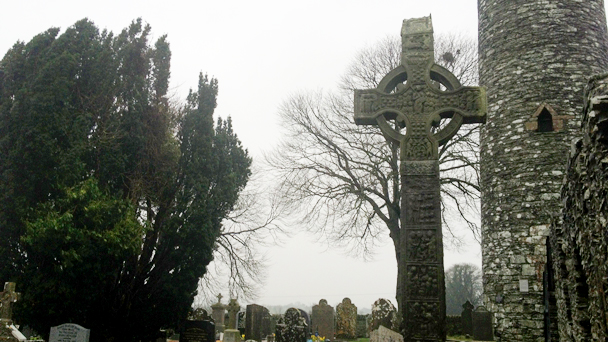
[
  {"x": 535, "y": 57},
  {"x": 579, "y": 238}
]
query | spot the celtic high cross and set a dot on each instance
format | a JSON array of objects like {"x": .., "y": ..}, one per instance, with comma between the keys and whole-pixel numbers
[{"x": 416, "y": 96}]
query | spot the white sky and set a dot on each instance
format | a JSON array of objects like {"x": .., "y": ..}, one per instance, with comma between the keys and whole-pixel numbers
[{"x": 261, "y": 52}]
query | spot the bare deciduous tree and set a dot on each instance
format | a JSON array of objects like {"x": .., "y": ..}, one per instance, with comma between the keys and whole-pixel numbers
[
  {"x": 342, "y": 180},
  {"x": 238, "y": 266}
]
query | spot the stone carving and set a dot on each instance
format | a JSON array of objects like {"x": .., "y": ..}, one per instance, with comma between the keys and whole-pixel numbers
[
  {"x": 346, "y": 323},
  {"x": 323, "y": 319},
  {"x": 419, "y": 105}
]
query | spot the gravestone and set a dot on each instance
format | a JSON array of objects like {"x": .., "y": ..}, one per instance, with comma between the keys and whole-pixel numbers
[
  {"x": 409, "y": 97},
  {"x": 291, "y": 327},
  {"x": 346, "y": 319},
  {"x": 323, "y": 319},
  {"x": 383, "y": 334},
  {"x": 467, "y": 318},
  {"x": 218, "y": 313},
  {"x": 69, "y": 332},
  {"x": 231, "y": 333},
  {"x": 362, "y": 326},
  {"x": 482, "y": 324},
  {"x": 307, "y": 320},
  {"x": 7, "y": 298},
  {"x": 257, "y": 322},
  {"x": 8, "y": 332},
  {"x": 197, "y": 331},
  {"x": 385, "y": 314}
]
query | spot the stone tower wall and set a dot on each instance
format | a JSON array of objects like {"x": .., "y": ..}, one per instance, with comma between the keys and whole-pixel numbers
[
  {"x": 535, "y": 57},
  {"x": 579, "y": 238}
]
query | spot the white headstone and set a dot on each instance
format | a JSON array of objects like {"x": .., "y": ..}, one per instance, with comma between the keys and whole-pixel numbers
[{"x": 69, "y": 333}]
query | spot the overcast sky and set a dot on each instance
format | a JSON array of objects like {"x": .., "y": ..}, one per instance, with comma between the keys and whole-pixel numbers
[{"x": 261, "y": 52}]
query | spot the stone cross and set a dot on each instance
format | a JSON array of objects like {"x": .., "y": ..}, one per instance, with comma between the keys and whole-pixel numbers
[
  {"x": 411, "y": 96},
  {"x": 233, "y": 310},
  {"x": 7, "y": 297},
  {"x": 219, "y": 298}
]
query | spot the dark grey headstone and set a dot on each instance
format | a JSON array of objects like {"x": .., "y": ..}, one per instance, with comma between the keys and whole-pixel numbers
[
  {"x": 323, "y": 320},
  {"x": 197, "y": 331},
  {"x": 466, "y": 318},
  {"x": 69, "y": 333},
  {"x": 482, "y": 324},
  {"x": 257, "y": 322}
]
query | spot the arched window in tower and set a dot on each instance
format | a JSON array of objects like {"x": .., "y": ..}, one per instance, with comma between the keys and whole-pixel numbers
[{"x": 545, "y": 121}]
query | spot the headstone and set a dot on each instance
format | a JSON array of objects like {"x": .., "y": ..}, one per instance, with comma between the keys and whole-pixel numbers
[
  {"x": 197, "y": 331},
  {"x": 362, "y": 326},
  {"x": 346, "y": 319},
  {"x": 383, "y": 334},
  {"x": 307, "y": 320},
  {"x": 69, "y": 332},
  {"x": 467, "y": 318},
  {"x": 257, "y": 322},
  {"x": 482, "y": 324},
  {"x": 323, "y": 319},
  {"x": 291, "y": 327},
  {"x": 408, "y": 97},
  {"x": 385, "y": 314},
  {"x": 7, "y": 298},
  {"x": 218, "y": 313},
  {"x": 231, "y": 333}
]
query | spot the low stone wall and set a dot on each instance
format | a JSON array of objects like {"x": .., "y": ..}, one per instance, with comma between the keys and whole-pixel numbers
[{"x": 579, "y": 236}]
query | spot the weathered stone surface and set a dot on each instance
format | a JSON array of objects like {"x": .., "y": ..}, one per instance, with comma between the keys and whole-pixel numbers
[
  {"x": 383, "y": 334},
  {"x": 257, "y": 322},
  {"x": 69, "y": 333},
  {"x": 7, "y": 298},
  {"x": 323, "y": 320},
  {"x": 346, "y": 319},
  {"x": 292, "y": 327},
  {"x": 408, "y": 97},
  {"x": 534, "y": 56},
  {"x": 383, "y": 313},
  {"x": 579, "y": 238},
  {"x": 233, "y": 311}
]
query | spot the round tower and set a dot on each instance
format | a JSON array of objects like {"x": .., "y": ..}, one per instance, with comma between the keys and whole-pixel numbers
[{"x": 534, "y": 59}]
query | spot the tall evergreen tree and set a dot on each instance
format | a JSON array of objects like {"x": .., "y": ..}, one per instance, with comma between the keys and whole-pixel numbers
[{"x": 111, "y": 199}]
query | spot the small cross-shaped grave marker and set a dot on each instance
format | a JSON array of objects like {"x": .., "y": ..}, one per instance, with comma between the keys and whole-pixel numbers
[
  {"x": 416, "y": 96},
  {"x": 7, "y": 298}
]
